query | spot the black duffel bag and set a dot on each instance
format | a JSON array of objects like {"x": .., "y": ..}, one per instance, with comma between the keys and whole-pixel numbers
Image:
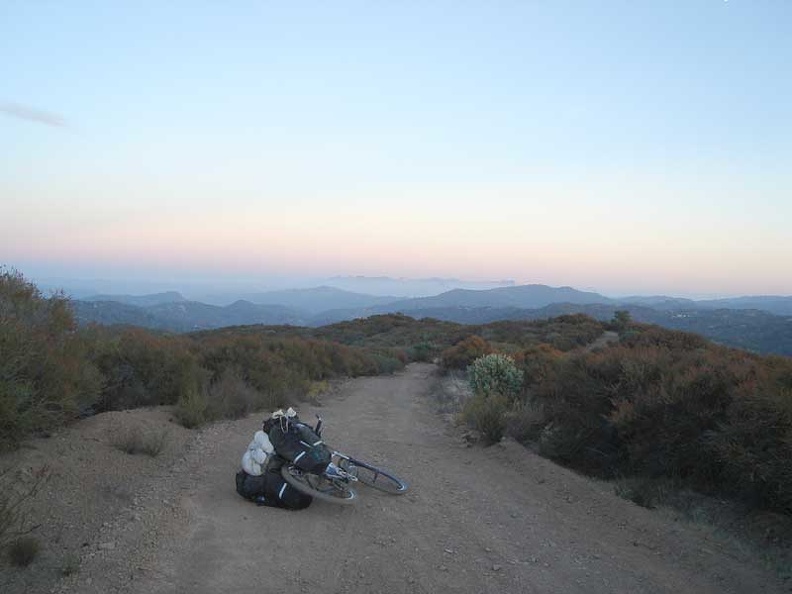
[
  {"x": 299, "y": 444},
  {"x": 271, "y": 490}
]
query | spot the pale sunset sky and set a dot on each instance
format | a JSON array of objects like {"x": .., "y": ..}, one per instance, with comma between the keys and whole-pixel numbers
[{"x": 622, "y": 146}]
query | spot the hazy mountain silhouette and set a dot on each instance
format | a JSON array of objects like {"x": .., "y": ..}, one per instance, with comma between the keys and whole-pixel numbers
[
  {"x": 408, "y": 287},
  {"x": 523, "y": 296},
  {"x": 753, "y": 329},
  {"x": 140, "y": 300},
  {"x": 186, "y": 316},
  {"x": 774, "y": 304},
  {"x": 318, "y": 299}
]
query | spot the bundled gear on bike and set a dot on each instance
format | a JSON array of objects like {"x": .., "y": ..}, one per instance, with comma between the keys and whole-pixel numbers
[
  {"x": 297, "y": 442},
  {"x": 260, "y": 478},
  {"x": 288, "y": 465}
]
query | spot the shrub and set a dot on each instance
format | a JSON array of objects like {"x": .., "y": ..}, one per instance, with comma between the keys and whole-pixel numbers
[
  {"x": 752, "y": 449},
  {"x": 576, "y": 401},
  {"x": 45, "y": 378},
  {"x": 389, "y": 363},
  {"x": 642, "y": 491},
  {"x": 621, "y": 321},
  {"x": 315, "y": 390},
  {"x": 525, "y": 421},
  {"x": 495, "y": 374},
  {"x": 143, "y": 368},
  {"x": 537, "y": 363},
  {"x": 424, "y": 351},
  {"x": 191, "y": 410},
  {"x": 464, "y": 352},
  {"x": 667, "y": 406},
  {"x": 135, "y": 440},
  {"x": 231, "y": 398},
  {"x": 487, "y": 414}
]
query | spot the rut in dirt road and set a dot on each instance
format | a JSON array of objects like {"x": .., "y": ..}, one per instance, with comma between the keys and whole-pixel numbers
[{"x": 476, "y": 520}]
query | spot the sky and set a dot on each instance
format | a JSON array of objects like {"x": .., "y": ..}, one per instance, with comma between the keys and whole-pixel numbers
[{"x": 622, "y": 146}]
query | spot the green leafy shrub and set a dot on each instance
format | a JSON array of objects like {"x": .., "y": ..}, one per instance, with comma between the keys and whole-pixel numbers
[
  {"x": 487, "y": 414},
  {"x": 495, "y": 374}
]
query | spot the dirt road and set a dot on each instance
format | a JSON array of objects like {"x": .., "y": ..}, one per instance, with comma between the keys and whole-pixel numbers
[{"x": 476, "y": 520}]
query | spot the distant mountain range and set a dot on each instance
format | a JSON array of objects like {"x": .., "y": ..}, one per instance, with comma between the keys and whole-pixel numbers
[
  {"x": 760, "y": 323},
  {"x": 140, "y": 300}
]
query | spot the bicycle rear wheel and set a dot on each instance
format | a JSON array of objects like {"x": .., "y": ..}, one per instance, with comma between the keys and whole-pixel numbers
[
  {"x": 370, "y": 475},
  {"x": 317, "y": 486}
]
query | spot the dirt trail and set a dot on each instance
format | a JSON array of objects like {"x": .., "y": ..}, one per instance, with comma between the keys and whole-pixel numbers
[{"x": 494, "y": 520}]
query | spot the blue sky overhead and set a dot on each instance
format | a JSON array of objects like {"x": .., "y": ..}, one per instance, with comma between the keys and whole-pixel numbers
[{"x": 627, "y": 147}]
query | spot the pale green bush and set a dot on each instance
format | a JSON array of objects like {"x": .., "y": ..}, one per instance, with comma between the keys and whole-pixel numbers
[{"x": 495, "y": 374}]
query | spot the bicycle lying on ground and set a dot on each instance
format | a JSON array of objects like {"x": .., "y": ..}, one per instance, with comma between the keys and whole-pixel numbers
[{"x": 336, "y": 484}]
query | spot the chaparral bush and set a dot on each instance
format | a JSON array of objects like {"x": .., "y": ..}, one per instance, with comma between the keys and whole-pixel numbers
[
  {"x": 495, "y": 374},
  {"x": 45, "y": 376},
  {"x": 464, "y": 352},
  {"x": 670, "y": 405},
  {"x": 487, "y": 414}
]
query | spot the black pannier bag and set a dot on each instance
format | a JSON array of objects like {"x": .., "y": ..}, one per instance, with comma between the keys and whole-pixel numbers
[
  {"x": 299, "y": 444},
  {"x": 270, "y": 489}
]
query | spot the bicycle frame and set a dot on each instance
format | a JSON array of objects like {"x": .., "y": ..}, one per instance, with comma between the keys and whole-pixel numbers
[{"x": 338, "y": 480}]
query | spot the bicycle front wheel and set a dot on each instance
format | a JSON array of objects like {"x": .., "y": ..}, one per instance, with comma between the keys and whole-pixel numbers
[
  {"x": 318, "y": 486},
  {"x": 370, "y": 475}
]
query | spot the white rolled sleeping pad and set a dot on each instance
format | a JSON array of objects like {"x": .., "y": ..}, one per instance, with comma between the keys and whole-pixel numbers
[
  {"x": 250, "y": 466},
  {"x": 263, "y": 440},
  {"x": 254, "y": 460}
]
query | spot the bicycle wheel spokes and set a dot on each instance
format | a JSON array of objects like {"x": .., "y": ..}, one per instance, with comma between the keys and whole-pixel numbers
[
  {"x": 377, "y": 478},
  {"x": 318, "y": 486}
]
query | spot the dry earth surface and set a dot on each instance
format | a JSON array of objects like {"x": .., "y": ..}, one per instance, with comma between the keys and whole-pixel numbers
[{"x": 497, "y": 519}]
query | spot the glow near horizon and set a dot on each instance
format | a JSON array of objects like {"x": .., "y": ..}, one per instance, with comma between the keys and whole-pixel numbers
[{"x": 617, "y": 147}]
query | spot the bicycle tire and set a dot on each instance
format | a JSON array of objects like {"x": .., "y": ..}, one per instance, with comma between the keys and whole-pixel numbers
[
  {"x": 375, "y": 477},
  {"x": 317, "y": 486}
]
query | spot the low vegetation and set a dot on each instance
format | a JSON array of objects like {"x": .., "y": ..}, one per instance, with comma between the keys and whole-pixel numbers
[
  {"x": 137, "y": 440},
  {"x": 46, "y": 376},
  {"x": 52, "y": 372},
  {"x": 658, "y": 407},
  {"x": 655, "y": 407}
]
